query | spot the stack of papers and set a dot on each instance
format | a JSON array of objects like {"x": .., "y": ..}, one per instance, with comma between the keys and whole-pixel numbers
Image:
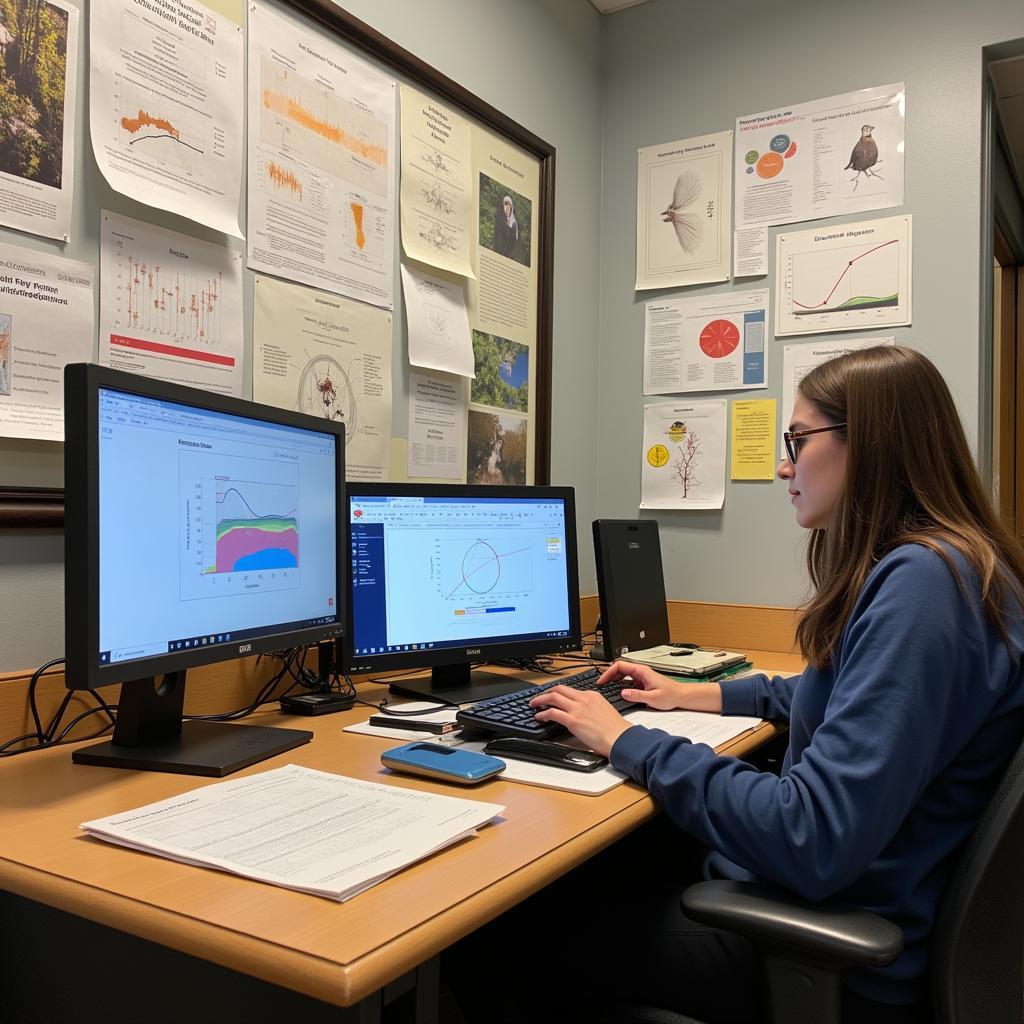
[{"x": 299, "y": 828}]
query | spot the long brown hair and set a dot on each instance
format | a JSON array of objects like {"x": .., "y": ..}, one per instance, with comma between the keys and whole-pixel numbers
[{"x": 910, "y": 479}]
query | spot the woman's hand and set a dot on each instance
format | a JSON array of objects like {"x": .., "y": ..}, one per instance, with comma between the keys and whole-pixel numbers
[
  {"x": 645, "y": 686},
  {"x": 584, "y": 713}
]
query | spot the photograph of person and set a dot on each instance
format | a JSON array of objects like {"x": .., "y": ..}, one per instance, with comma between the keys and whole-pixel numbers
[
  {"x": 901, "y": 725},
  {"x": 505, "y": 220}
]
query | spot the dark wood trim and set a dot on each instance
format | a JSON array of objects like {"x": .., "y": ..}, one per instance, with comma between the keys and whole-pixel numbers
[
  {"x": 28, "y": 507},
  {"x": 419, "y": 72}
]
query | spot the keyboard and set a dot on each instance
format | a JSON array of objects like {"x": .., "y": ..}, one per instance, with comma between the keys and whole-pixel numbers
[{"x": 511, "y": 714}]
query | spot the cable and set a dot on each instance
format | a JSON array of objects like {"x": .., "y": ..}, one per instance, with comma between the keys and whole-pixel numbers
[{"x": 36, "y": 676}]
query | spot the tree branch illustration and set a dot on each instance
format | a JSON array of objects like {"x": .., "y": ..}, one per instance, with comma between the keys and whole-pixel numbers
[{"x": 684, "y": 466}]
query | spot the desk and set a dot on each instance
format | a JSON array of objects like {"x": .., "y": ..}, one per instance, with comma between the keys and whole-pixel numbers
[{"x": 336, "y": 953}]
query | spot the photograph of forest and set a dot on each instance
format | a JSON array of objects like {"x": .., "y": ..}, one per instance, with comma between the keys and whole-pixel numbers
[
  {"x": 33, "y": 58},
  {"x": 496, "y": 449},
  {"x": 502, "y": 372}
]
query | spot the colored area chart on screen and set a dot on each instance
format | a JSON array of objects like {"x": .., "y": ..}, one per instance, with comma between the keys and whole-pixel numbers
[
  {"x": 242, "y": 530},
  {"x": 249, "y": 540}
]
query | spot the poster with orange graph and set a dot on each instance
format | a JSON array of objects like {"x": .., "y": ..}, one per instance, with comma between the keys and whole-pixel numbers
[
  {"x": 165, "y": 107},
  {"x": 170, "y": 305},
  {"x": 321, "y": 162}
]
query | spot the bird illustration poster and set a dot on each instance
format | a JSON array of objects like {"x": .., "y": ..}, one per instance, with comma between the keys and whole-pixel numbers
[
  {"x": 166, "y": 106},
  {"x": 706, "y": 343},
  {"x": 684, "y": 455},
  {"x": 826, "y": 158},
  {"x": 852, "y": 277},
  {"x": 684, "y": 212}
]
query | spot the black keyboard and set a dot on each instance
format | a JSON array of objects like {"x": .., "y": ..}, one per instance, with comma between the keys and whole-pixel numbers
[{"x": 511, "y": 714}]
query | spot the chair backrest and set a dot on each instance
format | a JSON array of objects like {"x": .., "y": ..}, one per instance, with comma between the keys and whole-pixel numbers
[{"x": 977, "y": 966}]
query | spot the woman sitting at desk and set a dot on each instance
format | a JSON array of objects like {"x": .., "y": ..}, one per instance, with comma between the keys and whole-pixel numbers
[{"x": 899, "y": 728}]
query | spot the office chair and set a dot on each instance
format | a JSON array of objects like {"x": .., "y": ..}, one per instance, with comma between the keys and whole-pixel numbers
[{"x": 977, "y": 945}]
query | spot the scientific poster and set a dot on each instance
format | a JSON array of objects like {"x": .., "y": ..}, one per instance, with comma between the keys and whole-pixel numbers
[
  {"x": 170, "y": 306},
  {"x": 799, "y": 360},
  {"x": 438, "y": 326},
  {"x": 437, "y": 412},
  {"x": 326, "y": 356},
  {"x": 852, "y": 277},
  {"x": 684, "y": 455},
  {"x": 827, "y": 158},
  {"x": 684, "y": 212},
  {"x": 437, "y": 184},
  {"x": 165, "y": 106},
  {"x": 39, "y": 42},
  {"x": 46, "y": 322},
  {"x": 321, "y": 157},
  {"x": 711, "y": 343},
  {"x": 502, "y": 306}
]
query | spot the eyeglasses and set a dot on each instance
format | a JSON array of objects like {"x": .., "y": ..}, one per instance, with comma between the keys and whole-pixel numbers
[{"x": 791, "y": 437}]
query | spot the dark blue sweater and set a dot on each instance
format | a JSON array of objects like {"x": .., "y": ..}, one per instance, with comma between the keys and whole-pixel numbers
[{"x": 893, "y": 753}]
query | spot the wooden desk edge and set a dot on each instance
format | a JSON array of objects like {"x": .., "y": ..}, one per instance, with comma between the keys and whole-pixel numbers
[{"x": 328, "y": 981}]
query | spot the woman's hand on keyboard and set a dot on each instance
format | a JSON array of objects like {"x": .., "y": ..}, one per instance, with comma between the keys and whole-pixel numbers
[
  {"x": 584, "y": 713},
  {"x": 645, "y": 686},
  {"x": 642, "y": 684}
]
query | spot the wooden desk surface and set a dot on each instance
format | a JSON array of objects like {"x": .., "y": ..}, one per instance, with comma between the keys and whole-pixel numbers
[{"x": 335, "y": 952}]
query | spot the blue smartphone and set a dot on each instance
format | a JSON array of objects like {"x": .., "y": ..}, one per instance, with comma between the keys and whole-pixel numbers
[{"x": 449, "y": 764}]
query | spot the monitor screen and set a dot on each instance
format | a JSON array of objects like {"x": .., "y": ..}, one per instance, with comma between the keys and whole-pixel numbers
[
  {"x": 198, "y": 528},
  {"x": 229, "y": 519},
  {"x": 448, "y": 575}
]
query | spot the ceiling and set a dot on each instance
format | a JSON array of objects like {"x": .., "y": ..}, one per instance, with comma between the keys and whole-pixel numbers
[
  {"x": 611, "y": 6},
  {"x": 1008, "y": 76}
]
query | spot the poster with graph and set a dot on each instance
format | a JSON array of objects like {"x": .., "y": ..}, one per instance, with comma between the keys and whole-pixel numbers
[
  {"x": 170, "y": 305},
  {"x": 853, "y": 277},
  {"x": 321, "y": 158},
  {"x": 165, "y": 107}
]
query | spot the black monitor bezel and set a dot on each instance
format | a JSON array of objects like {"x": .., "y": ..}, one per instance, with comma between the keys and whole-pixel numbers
[
  {"x": 82, "y": 383},
  {"x": 500, "y": 649}
]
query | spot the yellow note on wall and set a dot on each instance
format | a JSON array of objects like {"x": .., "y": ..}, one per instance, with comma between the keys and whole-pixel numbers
[{"x": 753, "y": 439}]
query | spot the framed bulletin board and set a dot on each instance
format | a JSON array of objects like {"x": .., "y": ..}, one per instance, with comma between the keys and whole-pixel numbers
[{"x": 508, "y": 279}]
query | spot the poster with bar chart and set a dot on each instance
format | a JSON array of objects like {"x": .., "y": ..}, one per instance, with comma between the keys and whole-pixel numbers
[
  {"x": 322, "y": 144},
  {"x": 851, "y": 277},
  {"x": 240, "y": 528},
  {"x": 170, "y": 306}
]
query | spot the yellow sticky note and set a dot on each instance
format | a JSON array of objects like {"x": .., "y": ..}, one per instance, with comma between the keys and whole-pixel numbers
[{"x": 753, "y": 439}]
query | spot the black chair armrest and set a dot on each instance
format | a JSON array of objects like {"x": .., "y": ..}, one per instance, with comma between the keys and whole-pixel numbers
[{"x": 770, "y": 917}]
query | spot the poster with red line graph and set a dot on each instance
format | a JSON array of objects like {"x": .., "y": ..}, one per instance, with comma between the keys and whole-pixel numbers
[{"x": 848, "y": 278}]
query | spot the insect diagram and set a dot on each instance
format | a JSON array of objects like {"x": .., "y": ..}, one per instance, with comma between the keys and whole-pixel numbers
[
  {"x": 685, "y": 222},
  {"x": 864, "y": 157}
]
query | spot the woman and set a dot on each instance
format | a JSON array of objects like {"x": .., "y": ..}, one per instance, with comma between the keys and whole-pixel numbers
[
  {"x": 506, "y": 229},
  {"x": 899, "y": 728}
]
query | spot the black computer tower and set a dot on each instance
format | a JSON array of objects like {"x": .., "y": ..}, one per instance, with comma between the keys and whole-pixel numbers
[{"x": 631, "y": 587}]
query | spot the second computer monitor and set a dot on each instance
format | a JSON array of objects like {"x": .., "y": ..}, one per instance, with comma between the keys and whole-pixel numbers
[{"x": 445, "y": 576}]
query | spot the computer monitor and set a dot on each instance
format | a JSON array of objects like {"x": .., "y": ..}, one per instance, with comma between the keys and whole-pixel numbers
[
  {"x": 443, "y": 576},
  {"x": 630, "y": 586},
  {"x": 198, "y": 528}
]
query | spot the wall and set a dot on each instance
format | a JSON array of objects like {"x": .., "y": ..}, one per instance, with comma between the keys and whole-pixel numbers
[
  {"x": 539, "y": 61},
  {"x": 675, "y": 70}
]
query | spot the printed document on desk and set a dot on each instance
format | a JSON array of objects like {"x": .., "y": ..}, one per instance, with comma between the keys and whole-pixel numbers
[{"x": 312, "y": 831}]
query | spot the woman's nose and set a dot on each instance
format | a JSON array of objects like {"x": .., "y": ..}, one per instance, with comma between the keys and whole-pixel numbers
[{"x": 784, "y": 470}]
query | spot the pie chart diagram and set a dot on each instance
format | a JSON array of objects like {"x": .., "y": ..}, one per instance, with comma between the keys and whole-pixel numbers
[{"x": 719, "y": 339}]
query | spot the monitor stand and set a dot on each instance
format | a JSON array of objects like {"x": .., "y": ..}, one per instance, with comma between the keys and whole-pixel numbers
[
  {"x": 149, "y": 735},
  {"x": 458, "y": 684}
]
